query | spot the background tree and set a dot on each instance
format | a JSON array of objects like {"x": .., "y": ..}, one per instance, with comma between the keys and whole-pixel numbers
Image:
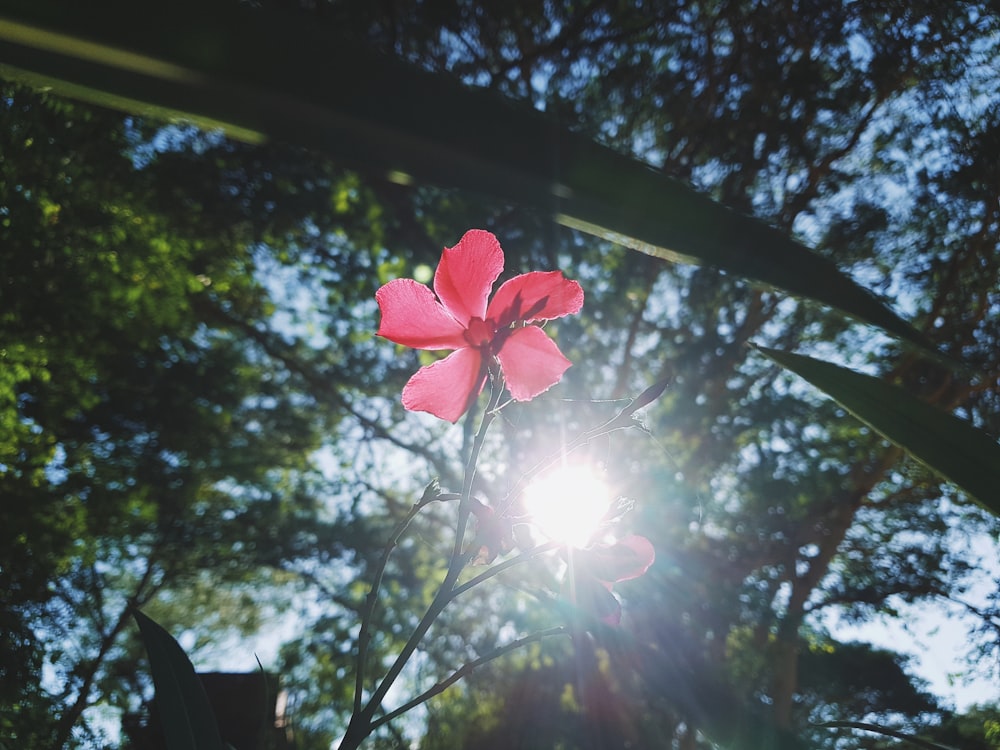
[{"x": 152, "y": 451}]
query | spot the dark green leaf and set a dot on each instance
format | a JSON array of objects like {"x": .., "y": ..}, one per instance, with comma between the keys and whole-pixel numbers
[
  {"x": 955, "y": 449},
  {"x": 185, "y": 713},
  {"x": 270, "y": 77},
  {"x": 887, "y": 732}
]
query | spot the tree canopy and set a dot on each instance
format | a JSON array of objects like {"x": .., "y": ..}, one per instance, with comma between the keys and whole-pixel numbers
[{"x": 197, "y": 418}]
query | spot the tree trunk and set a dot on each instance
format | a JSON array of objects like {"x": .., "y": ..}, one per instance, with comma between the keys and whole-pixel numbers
[
  {"x": 69, "y": 717},
  {"x": 786, "y": 649}
]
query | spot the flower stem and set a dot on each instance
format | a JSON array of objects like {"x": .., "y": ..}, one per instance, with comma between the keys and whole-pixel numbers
[
  {"x": 431, "y": 493},
  {"x": 465, "y": 505},
  {"x": 524, "y": 557},
  {"x": 467, "y": 669},
  {"x": 362, "y": 722}
]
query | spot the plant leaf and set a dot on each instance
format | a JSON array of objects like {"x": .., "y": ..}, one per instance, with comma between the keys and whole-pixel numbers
[
  {"x": 259, "y": 75},
  {"x": 957, "y": 450},
  {"x": 185, "y": 713},
  {"x": 912, "y": 739}
]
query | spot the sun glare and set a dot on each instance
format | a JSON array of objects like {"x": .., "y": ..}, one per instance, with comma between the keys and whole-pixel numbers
[{"x": 568, "y": 504}]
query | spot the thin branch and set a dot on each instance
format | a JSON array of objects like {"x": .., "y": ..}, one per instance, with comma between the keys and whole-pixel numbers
[
  {"x": 989, "y": 617},
  {"x": 361, "y": 723},
  {"x": 465, "y": 505},
  {"x": 651, "y": 274},
  {"x": 320, "y": 385},
  {"x": 467, "y": 669},
  {"x": 819, "y": 171},
  {"x": 622, "y": 420},
  {"x": 313, "y": 580},
  {"x": 505, "y": 565},
  {"x": 69, "y": 718},
  {"x": 431, "y": 493}
]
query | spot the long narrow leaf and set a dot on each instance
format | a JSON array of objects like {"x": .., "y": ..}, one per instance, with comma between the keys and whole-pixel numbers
[
  {"x": 910, "y": 738},
  {"x": 260, "y": 75},
  {"x": 185, "y": 713},
  {"x": 958, "y": 451}
]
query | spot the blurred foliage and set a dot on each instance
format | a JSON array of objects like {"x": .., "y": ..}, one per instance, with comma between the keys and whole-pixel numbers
[{"x": 194, "y": 414}]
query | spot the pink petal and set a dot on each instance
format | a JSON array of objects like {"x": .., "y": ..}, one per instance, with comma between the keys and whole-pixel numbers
[
  {"x": 465, "y": 275},
  {"x": 446, "y": 388},
  {"x": 539, "y": 295},
  {"x": 643, "y": 556},
  {"x": 627, "y": 559},
  {"x": 412, "y": 316},
  {"x": 531, "y": 362}
]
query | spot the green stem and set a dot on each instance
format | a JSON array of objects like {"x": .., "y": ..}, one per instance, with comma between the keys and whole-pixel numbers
[
  {"x": 467, "y": 669},
  {"x": 361, "y": 724},
  {"x": 465, "y": 505},
  {"x": 505, "y": 565},
  {"x": 364, "y": 636}
]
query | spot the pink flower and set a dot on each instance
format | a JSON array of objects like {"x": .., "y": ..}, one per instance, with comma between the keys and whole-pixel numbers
[
  {"x": 596, "y": 569},
  {"x": 459, "y": 315}
]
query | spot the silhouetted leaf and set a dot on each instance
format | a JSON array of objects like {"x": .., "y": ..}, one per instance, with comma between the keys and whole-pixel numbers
[
  {"x": 958, "y": 451},
  {"x": 185, "y": 713},
  {"x": 270, "y": 77},
  {"x": 913, "y": 740}
]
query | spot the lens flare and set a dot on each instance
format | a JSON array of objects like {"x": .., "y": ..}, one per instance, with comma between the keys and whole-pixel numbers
[{"x": 568, "y": 504}]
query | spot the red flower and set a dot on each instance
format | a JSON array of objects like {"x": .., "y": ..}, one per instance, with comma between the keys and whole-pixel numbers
[
  {"x": 456, "y": 316},
  {"x": 596, "y": 569}
]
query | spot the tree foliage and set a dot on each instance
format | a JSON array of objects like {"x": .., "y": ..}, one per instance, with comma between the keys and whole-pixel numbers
[
  {"x": 151, "y": 443},
  {"x": 192, "y": 400}
]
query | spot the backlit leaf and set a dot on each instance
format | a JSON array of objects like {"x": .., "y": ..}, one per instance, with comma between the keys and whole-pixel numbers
[{"x": 958, "y": 451}]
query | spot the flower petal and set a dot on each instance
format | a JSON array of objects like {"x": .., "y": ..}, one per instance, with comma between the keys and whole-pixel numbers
[
  {"x": 627, "y": 559},
  {"x": 539, "y": 295},
  {"x": 465, "y": 275},
  {"x": 531, "y": 362},
  {"x": 412, "y": 316},
  {"x": 446, "y": 388}
]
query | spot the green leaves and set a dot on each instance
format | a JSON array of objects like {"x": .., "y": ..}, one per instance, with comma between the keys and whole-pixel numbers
[
  {"x": 187, "y": 718},
  {"x": 958, "y": 451}
]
